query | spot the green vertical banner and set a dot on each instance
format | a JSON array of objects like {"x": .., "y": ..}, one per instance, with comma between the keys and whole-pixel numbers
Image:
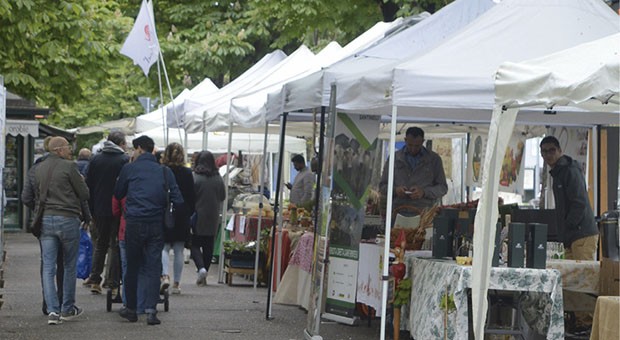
[{"x": 355, "y": 147}]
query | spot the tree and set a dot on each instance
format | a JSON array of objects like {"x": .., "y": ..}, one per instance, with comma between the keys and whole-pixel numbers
[
  {"x": 51, "y": 50},
  {"x": 66, "y": 56}
]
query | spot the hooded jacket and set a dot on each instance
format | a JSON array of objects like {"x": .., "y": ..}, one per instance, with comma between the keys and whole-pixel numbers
[
  {"x": 574, "y": 215},
  {"x": 103, "y": 171}
]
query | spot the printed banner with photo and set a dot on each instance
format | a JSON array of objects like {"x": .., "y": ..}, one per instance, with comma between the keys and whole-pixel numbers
[
  {"x": 356, "y": 146},
  {"x": 511, "y": 174}
]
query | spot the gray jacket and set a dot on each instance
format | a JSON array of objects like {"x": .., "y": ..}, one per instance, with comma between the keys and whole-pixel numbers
[
  {"x": 572, "y": 207},
  {"x": 66, "y": 188},
  {"x": 210, "y": 193},
  {"x": 428, "y": 175}
]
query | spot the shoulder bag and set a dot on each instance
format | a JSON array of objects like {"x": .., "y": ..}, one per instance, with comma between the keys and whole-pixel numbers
[{"x": 169, "y": 212}]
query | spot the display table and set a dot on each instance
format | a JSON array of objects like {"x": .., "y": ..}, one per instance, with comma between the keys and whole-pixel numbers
[
  {"x": 286, "y": 241},
  {"x": 294, "y": 289},
  {"x": 542, "y": 304},
  {"x": 606, "y": 315},
  {"x": 245, "y": 227},
  {"x": 577, "y": 276}
]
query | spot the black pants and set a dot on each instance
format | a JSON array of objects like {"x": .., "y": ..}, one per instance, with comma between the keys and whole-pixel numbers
[
  {"x": 106, "y": 243},
  {"x": 202, "y": 251},
  {"x": 60, "y": 268}
]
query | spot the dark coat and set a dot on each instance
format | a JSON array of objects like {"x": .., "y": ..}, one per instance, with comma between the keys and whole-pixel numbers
[
  {"x": 142, "y": 182},
  {"x": 102, "y": 173},
  {"x": 575, "y": 218},
  {"x": 185, "y": 181},
  {"x": 210, "y": 193}
]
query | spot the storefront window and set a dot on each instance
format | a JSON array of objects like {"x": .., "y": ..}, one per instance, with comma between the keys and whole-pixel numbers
[{"x": 12, "y": 182}]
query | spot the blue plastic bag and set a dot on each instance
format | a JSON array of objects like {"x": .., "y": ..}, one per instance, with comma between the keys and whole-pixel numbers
[{"x": 85, "y": 255}]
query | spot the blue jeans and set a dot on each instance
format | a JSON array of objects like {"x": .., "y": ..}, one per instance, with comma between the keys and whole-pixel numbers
[
  {"x": 59, "y": 232},
  {"x": 144, "y": 242},
  {"x": 178, "y": 259},
  {"x": 123, "y": 254}
]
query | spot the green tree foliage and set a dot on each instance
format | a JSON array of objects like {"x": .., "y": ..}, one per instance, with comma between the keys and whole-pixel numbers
[
  {"x": 50, "y": 49},
  {"x": 65, "y": 54}
]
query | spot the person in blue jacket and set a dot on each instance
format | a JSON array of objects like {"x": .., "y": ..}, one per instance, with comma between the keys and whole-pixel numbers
[{"x": 142, "y": 183}]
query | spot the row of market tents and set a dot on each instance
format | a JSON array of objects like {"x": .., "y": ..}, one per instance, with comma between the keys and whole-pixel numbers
[{"x": 474, "y": 61}]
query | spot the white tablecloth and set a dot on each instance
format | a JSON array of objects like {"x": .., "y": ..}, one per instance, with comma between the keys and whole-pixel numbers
[{"x": 543, "y": 309}]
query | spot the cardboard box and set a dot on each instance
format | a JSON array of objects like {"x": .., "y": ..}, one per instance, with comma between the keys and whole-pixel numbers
[{"x": 609, "y": 278}]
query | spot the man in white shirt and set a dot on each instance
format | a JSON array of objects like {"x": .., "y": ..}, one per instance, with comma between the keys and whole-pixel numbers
[{"x": 303, "y": 185}]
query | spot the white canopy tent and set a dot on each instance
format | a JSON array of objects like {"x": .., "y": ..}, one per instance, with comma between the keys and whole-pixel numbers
[
  {"x": 248, "y": 109},
  {"x": 454, "y": 82},
  {"x": 314, "y": 90},
  {"x": 587, "y": 75},
  {"x": 218, "y": 141},
  {"x": 252, "y": 109},
  {"x": 156, "y": 118},
  {"x": 244, "y": 81},
  {"x": 217, "y": 110}
]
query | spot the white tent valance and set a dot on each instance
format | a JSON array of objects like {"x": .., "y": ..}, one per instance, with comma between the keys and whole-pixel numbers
[{"x": 24, "y": 128}]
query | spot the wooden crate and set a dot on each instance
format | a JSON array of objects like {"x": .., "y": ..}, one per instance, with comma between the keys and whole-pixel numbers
[{"x": 609, "y": 278}]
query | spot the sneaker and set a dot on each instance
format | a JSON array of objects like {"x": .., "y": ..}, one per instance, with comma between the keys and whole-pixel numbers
[
  {"x": 72, "y": 314},
  {"x": 95, "y": 288},
  {"x": 165, "y": 283},
  {"x": 88, "y": 282},
  {"x": 128, "y": 314},
  {"x": 54, "y": 319},
  {"x": 151, "y": 319},
  {"x": 202, "y": 277},
  {"x": 175, "y": 289}
]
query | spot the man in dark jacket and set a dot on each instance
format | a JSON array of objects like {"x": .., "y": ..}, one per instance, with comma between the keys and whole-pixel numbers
[
  {"x": 62, "y": 187},
  {"x": 142, "y": 183},
  {"x": 101, "y": 177},
  {"x": 419, "y": 178},
  {"x": 575, "y": 219}
]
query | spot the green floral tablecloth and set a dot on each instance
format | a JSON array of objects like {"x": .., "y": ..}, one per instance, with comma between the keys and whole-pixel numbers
[{"x": 541, "y": 300}]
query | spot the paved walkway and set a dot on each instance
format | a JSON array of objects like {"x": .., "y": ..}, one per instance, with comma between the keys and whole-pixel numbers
[{"x": 213, "y": 312}]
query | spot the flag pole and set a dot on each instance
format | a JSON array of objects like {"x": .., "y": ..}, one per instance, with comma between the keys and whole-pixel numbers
[
  {"x": 161, "y": 100},
  {"x": 176, "y": 117}
]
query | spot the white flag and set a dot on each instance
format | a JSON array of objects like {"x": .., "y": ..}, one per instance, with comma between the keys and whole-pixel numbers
[{"x": 141, "y": 44}]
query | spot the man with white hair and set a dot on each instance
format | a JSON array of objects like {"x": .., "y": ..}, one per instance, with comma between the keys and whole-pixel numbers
[{"x": 60, "y": 188}]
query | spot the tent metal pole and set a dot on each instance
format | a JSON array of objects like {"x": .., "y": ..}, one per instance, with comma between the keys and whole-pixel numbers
[
  {"x": 261, "y": 188},
  {"x": 317, "y": 231},
  {"x": 388, "y": 221},
  {"x": 205, "y": 132},
  {"x": 317, "y": 190},
  {"x": 276, "y": 214},
  {"x": 225, "y": 208},
  {"x": 464, "y": 149},
  {"x": 596, "y": 171}
]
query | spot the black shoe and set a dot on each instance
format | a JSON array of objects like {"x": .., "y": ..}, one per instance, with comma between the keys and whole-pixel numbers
[
  {"x": 151, "y": 319},
  {"x": 128, "y": 314}
]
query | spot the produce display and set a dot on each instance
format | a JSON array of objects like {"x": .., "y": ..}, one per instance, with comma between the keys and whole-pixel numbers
[{"x": 415, "y": 236}]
